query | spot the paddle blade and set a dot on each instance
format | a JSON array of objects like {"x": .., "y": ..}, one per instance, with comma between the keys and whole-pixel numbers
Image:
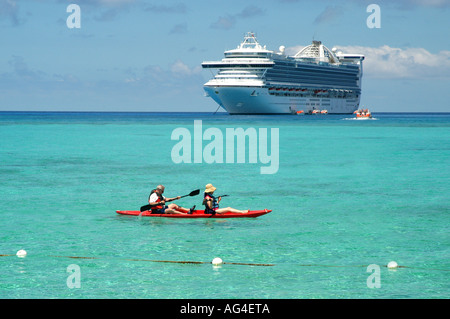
[
  {"x": 194, "y": 193},
  {"x": 146, "y": 207}
]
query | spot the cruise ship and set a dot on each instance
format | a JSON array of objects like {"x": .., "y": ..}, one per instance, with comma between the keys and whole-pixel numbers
[{"x": 254, "y": 80}]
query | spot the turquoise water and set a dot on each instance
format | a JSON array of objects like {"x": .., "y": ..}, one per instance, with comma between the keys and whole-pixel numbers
[{"x": 347, "y": 194}]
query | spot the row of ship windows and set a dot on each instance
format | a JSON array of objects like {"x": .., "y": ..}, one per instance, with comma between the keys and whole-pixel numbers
[
  {"x": 299, "y": 72},
  {"x": 316, "y": 70},
  {"x": 291, "y": 73},
  {"x": 327, "y": 101},
  {"x": 237, "y": 65},
  {"x": 347, "y": 95},
  {"x": 246, "y": 55},
  {"x": 343, "y": 68},
  {"x": 259, "y": 68},
  {"x": 290, "y": 78},
  {"x": 310, "y": 81}
]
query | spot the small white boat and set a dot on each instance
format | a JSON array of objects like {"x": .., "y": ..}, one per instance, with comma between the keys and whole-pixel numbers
[{"x": 363, "y": 114}]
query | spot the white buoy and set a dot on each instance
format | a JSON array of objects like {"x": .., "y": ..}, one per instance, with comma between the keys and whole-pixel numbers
[
  {"x": 392, "y": 265},
  {"x": 217, "y": 261},
  {"x": 21, "y": 253}
]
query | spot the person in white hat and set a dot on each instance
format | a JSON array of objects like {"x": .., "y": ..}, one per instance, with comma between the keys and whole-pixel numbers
[
  {"x": 212, "y": 203},
  {"x": 156, "y": 198}
]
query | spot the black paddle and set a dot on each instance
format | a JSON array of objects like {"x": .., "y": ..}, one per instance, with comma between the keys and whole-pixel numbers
[{"x": 147, "y": 207}]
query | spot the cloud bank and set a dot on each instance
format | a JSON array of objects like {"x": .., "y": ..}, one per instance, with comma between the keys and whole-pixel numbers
[{"x": 389, "y": 62}]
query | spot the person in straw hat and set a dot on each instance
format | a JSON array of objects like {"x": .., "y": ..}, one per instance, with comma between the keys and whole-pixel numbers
[{"x": 212, "y": 203}]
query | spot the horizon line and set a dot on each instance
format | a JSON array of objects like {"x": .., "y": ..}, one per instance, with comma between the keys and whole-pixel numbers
[{"x": 177, "y": 112}]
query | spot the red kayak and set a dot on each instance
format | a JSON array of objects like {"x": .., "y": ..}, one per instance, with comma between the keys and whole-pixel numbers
[{"x": 197, "y": 214}]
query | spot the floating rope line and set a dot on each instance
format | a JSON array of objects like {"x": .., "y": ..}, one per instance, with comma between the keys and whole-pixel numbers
[
  {"x": 235, "y": 263},
  {"x": 365, "y": 266},
  {"x": 169, "y": 261},
  {"x": 422, "y": 268},
  {"x": 245, "y": 264},
  {"x": 74, "y": 257}
]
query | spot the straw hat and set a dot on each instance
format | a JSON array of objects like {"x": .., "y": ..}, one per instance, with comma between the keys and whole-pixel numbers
[{"x": 209, "y": 188}]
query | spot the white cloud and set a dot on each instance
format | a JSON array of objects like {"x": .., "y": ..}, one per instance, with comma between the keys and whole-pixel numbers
[
  {"x": 177, "y": 73},
  {"x": 388, "y": 62},
  {"x": 180, "y": 69},
  {"x": 293, "y": 50}
]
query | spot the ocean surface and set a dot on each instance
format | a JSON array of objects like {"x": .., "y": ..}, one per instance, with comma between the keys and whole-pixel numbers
[{"x": 347, "y": 194}]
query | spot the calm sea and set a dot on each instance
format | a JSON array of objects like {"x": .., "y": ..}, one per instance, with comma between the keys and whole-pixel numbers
[{"x": 347, "y": 194}]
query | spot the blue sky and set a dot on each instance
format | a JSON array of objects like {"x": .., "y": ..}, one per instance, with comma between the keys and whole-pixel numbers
[{"x": 138, "y": 55}]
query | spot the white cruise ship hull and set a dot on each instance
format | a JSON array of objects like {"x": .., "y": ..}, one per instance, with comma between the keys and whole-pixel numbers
[{"x": 257, "y": 100}]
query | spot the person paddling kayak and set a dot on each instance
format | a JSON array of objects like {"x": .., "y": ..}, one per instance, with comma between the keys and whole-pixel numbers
[
  {"x": 212, "y": 203},
  {"x": 158, "y": 200}
]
